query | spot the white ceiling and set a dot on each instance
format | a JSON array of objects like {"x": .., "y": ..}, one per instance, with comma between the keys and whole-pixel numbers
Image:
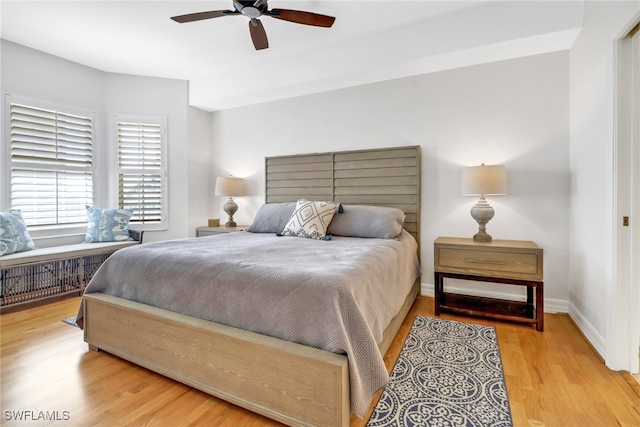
[{"x": 370, "y": 41}]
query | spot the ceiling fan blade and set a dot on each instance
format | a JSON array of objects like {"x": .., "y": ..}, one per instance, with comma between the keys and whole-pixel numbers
[
  {"x": 191, "y": 17},
  {"x": 300, "y": 17},
  {"x": 258, "y": 34}
]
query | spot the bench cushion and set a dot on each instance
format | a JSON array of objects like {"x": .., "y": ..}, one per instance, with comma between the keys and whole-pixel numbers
[{"x": 62, "y": 252}]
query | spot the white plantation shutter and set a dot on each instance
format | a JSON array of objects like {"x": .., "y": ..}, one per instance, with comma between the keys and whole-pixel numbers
[
  {"x": 142, "y": 171},
  {"x": 51, "y": 164}
]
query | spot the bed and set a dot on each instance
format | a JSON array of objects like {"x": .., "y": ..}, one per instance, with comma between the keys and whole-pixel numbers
[{"x": 298, "y": 377}]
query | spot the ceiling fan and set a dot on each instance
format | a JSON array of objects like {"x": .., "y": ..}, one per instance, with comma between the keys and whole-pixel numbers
[{"x": 253, "y": 9}]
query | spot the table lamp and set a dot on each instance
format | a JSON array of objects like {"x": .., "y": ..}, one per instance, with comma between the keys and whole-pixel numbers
[
  {"x": 483, "y": 181},
  {"x": 230, "y": 186}
]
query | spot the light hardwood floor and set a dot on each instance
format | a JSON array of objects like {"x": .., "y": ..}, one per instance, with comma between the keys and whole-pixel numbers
[{"x": 554, "y": 378}]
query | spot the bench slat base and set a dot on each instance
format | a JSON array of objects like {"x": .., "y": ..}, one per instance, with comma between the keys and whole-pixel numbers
[{"x": 45, "y": 273}]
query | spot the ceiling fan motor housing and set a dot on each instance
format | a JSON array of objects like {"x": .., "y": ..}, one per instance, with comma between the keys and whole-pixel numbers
[{"x": 260, "y": 6}]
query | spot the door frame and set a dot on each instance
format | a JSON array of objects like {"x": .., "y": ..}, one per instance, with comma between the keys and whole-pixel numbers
[{"x": 623, "y": 335}]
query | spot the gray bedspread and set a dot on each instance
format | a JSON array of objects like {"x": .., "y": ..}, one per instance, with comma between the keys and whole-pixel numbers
[{"x": 335, "y": 295}]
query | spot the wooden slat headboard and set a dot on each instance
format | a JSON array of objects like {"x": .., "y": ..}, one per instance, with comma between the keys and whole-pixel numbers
[{"x": 378, "y": 177}]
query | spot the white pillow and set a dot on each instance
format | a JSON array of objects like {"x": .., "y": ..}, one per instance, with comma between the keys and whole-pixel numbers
[{"x": 310, "y": 219}]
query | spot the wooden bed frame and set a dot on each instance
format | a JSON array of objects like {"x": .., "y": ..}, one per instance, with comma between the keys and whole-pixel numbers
[{"x": 291, "y": 383}]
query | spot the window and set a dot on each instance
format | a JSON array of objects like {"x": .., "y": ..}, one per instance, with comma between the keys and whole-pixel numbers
[
  {"x": 142, "y": 170},
  {"x": 51, "y": 162}
]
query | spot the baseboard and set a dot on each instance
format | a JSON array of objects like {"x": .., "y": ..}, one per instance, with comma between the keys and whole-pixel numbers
[
  {"x": 550, "y": 305},
  {"x": 595, "y": 339}
]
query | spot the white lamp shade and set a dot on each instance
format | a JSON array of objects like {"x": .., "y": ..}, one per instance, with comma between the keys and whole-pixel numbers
[
  {"x": 229, "y": 186},
  {"x": 484, "y": 180}
]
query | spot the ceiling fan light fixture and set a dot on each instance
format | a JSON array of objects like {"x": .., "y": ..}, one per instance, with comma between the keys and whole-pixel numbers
[{"x": 250, "y": 12}]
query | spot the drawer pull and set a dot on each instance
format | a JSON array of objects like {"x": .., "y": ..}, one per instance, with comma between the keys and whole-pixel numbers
[{"x": 486, "y": 261}]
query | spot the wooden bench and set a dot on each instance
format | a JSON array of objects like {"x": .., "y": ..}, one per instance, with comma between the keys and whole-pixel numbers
[{"x": 51, "y": 272}]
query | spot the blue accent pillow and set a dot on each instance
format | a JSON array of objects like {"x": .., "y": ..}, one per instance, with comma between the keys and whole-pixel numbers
[
  {"x": 14, "y": 236},
  {"x": 107, "y": 225}
]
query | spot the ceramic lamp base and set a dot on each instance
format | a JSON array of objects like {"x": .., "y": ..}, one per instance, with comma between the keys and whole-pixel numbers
[
  {"x": 482, "y": 212},
  {"x": 230, "y": 207}
]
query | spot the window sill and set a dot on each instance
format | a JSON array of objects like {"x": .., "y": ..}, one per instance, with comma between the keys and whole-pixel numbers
[{"x": 57, "y": 231}]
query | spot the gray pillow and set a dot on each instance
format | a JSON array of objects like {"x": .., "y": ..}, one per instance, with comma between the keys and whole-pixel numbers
[
  {"x": 367, "y": 221},
  {"x": 272, "y": 218}
]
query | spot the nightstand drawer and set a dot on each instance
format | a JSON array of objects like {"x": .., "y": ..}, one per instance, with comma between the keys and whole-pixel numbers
[
  {"x": 501, "y": 258},
  {"x": 468, "y": 261}
]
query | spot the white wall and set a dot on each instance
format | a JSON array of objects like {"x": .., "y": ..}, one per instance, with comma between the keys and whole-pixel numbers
[
  {"x": 199, "y": 172},
  {"x": 33, "y": 74},
  {"x": 591, "y": 285},
  {"x": 513, "y": 112}
]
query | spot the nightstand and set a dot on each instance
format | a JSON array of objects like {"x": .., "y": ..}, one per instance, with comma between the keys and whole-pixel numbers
[
  {"x": 512, "y": 262},
  {"x": 210, "y": 231}
]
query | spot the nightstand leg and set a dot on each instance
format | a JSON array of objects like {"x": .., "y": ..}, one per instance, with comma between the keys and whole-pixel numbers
[
  {"x": 540, "y": 307},
  {"x": 529, "y": 309},
  {"x": 437, "y": 282}
]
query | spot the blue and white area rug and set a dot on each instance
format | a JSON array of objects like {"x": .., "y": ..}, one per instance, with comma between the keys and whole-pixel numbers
[
  {"x": 448, "y": 374},
  {"x": 71, "y": 321}
]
